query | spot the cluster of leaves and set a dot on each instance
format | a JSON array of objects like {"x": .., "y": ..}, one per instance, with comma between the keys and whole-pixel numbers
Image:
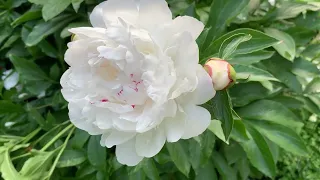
[
  {"x": 274, "y": 49},
  {"x": 293, "y": 167}
]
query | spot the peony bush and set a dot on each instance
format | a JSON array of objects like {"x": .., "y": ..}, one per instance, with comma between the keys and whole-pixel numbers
[{"x": 155, "y": 89}]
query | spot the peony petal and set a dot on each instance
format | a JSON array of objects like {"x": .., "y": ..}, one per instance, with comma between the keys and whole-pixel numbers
[
  {"x": 126, "y": 153},
  {"x": 110, "y": 53},
  {"x": 150, "y": 143},
  {"x": 104, "y": 118},
  {"x": 124, "y": 125},
  {"x": 96, "y": 16},
  {"x": 117, "y": 137},
  {"x": 80, "y": 122},
  {"x": 204, "y": 91},
  {"x": 110, "y": 11},
  {"x": 175, "y": 127},
  {"x": 89, "y": 32},
  {"x": 152, "y": 13},
  {"x": 198, "y": 120},
  {"x": 189, "y": 24}
]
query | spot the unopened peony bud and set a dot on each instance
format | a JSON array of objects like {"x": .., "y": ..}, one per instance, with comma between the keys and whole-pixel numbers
[{"x": 222, "y": 73}]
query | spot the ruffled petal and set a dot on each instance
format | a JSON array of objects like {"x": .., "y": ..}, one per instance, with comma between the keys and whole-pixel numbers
[
  {"x": 126, "y": 153},
  {"x": 116, "y": 138},
  {"x": 175, "y": 127},
  {"x": 76, "y": 117},
  {"x": 204, "y": 91},
  {"x": 189, "y": 24},
  {"x": 150, "y": 143},
  {"x": 110, "y": 11},
  {"x": 152, "y": 13},
  {"x": 104, "y": 119},
  {"x": 198, "y": 120},
  {"x": 89, "y": 32}
]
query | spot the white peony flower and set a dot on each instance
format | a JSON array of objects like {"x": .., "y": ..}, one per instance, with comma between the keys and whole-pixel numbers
[{"x": 134, "y": 78}]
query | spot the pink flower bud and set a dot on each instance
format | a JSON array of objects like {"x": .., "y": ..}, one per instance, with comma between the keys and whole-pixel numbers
[{"x": 221, "y": 72}]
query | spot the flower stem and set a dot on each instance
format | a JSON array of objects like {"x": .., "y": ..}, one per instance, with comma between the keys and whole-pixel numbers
[
  {"x": 56, "y": 137},
  {"x": 31, "y": 135},
  {"x": 60, "y": 153},
  {"x": 51, "y": 130}
]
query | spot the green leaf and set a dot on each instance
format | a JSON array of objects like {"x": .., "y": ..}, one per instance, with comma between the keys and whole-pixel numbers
[
  {"x": 150, "y": 169},
  {"x": 43, "y": 29},
  {"x": 48, "y": 49},
  {"x": 206, "y": 172},
  {"x": 39, "y": 2},
  {"x": 13, "y": 38},
  {"x": 37, "y": 87},
  {"x": 251, "y": 73},
  {"x": 200, "y": 149},
  {"x": 239, "y": 132},
  {"x": 250, "y": 58},
  {"x": 221, "y": 14},
  {"x": 28, "y": 69},
  {"x": 179, "y": 157},
  {"x": 215, "y": 127},
  {"x": 282, "y": 136},
  {"x": 288, "y": 101},
  {"x": 100, "y": 175},
  {"x": 207, "y": 142},
  {"x": 79, "y": 139},
  {"x": 228, "y": 48},
  {"x": 76, "y": 4},
  {"x": 233, "y": 153},
  {"x": 301, "y": 35},
  {"x": 1, "y": 87},
  {"x": 243, "y": 168},
  {"x": 313, "y": 86},
  {"x": 311, "y": 52},
  {"x": 259, "y": 41},
  {"x": 286, "y": 47},
  {"x": 37, "y": 166},
  {"x": 96, "y": 153},
  {"x": 31, "y": 14},
  {"x": 270, "y": 111},
  {"x": 71, "y": 158},
  {"x": 17, "y": 3},
  {"x": 35, "y": 116},
  {"x": 5, "y": 32},
  {"x": 50, "y": 119},
  {"x": 226, "y": 171},
  {"x": 310, "y": 106},
  {"x": 54, "y": 7},
  {"x": 85, "y": 169},
  {"x": 308, "y": 20},
  {"x": 304, "y": 68},
  {"x": 221, "y": 107},
  {"x": 290, "y": 9},
  {"x": 7, "y": 169},
  {"x": 55, "y": 72},
  {"x": 280, "y": 68},
  {"x": 201, "y": 39},
  {"x": 9, "y": 107},
  {"x": 252, "y": 90},
  {"x": 137, "y": 175},
  {"x": 259, "y": 153}
]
